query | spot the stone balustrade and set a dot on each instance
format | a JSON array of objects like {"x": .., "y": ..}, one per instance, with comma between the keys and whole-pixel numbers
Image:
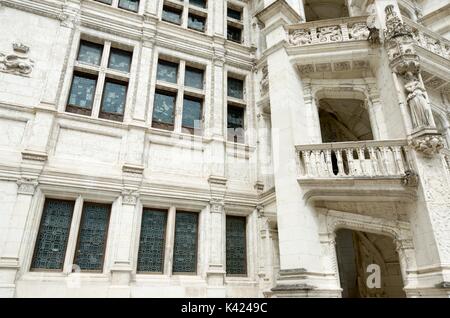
[
  {"x": 328, "y": 31},
  {"x": 429, "y": 40},
  {"x": 367, "y": 159}
]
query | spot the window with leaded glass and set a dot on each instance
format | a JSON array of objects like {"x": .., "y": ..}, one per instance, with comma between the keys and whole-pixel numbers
[
  {"x": 82, "y": 92},
  {"x": 192, "y": 114},
  {"x": 113, "y": 100},
  {"x": 90, "y": 251},
  {"x": 193, "y": 77},
  {"x": 185, "y": 245},
  {"x": 151, "y": 242},
  {"x": 167, "y": 71},
  {"x": 90, "y": 53},
  {"x": 53, "y": 235},
  {"x": 119, "y": 60},
  {"x": 163, "y": 110},
  {"x": 171, "y": 14},
  {"x": 131, "y": 5},
  {"x": 235, "y": 124},
  {"x": 235, "y": 88},
  {"x": 196, "y": 22},
  {"x": 236, "y": 253},
  {"x": 198, "y": 3}
]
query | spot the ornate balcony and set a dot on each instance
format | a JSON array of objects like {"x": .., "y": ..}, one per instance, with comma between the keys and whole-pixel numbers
[
  {"x": 329, "y": 31},
  {"x": 379, "y": 170},
  {"x": 429, "y": 40}
]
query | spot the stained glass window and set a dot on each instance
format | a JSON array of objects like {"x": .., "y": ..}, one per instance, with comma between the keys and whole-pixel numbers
[
  {"x": 82, "y": 90},
  {"x": 170, "y": 14},
  {"x": 90, "y": 53},
  {"x": 151, "y": 243},
  {"x": 114, "y": 97},
  {"x": 192, "y": 113},
  {"x": 167, "y": 71},
  {"x": 193, "y": 78},
  {"x": 196, "y": 22},
  {"x": 235, "y": 123},
  {"x": 163, "y": 109},
  {"x": 53, "y": 235},
  {"x": 198, "y": 3},
  {"x": 119, "y": 60},
  {"x": 236, "y": 260},
  {"x": 90, "y": 251},
  {"x": 234, "y": 14},
  {"x": 131, "y": 5},
  {"x": 234, "y": 34},
  {"x": 235, "y": 88},
  {"x": 185, "y": 246}
]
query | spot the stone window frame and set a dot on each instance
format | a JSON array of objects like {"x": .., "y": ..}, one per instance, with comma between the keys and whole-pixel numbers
[
  {"x": 252, "y": 225},
  {"x": 100, "y": 72},
  {"x": 67, "y": 194},
  {"x": 181, "y": 91},
  {"x": 169, "y": 241},
  {"x": 115, "y": 4},
  {"x": 237, "y": 102},
  {"x": 242, "y": 24},
  {"x": 187, "y": 9}
]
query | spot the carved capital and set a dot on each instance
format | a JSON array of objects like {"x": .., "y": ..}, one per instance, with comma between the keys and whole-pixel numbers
[
  {"x": 26, "y": 186},
  {"x": 217, "y": 205},
  {"x": 129, "y": 197},
  {"x": 428, "y": 145}
]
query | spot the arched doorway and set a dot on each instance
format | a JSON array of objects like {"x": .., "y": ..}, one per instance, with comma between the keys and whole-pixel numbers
[{"x": 368, "y": 265}]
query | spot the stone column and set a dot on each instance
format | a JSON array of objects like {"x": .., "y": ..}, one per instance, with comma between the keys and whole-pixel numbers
[
  {"x": 216, "y": 253},
  {"x": 123, "y": 265},
  {"x": 10, "y": 261}
]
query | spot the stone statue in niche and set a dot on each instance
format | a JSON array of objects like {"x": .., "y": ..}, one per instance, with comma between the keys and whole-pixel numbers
[
  {"x": 17, "y": 63},
  {"x": 417, "y": 101}
]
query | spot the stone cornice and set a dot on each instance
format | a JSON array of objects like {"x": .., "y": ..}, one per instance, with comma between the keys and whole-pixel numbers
[{"x": 279, "y": 6}]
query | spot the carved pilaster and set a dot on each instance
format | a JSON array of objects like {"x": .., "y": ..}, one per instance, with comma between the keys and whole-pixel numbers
[{"x": 129, "y": 197}]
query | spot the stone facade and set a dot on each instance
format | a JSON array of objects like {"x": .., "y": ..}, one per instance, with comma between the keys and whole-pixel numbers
[{"x": 294, "y": 190}]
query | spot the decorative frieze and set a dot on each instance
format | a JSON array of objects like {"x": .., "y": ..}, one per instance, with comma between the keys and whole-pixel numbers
[
  {"x": 329, "y": 31},
  {"x": 18, "y": 62}
]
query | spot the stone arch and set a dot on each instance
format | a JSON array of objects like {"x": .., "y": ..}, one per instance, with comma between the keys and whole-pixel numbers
[
  {"x": 399, "y": 231},
  {"x": 442, "y": 124}
]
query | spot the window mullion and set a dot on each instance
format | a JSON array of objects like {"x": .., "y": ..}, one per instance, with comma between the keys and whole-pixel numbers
[
  {"x": 73, "y": 235},
  {"x": 180, "y": 96},
  {"x": 101, "y": 80},
  {"x": 170, "y": 239},
  {"x": 184, "y": 14},
  {"x": 115, "y": 3}
]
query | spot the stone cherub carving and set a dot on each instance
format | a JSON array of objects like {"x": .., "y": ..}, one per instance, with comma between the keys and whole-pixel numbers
[{"x": 417, "y": 101}]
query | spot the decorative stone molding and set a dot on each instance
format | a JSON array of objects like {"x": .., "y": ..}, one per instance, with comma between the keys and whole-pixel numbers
[
  {"x": 132, "y": 169},
  {"x": 17, "y": 63},
  {"x": 259, "y": 186},
  {"x": 34, "y": 156},
  {"x": 410, "y": 179},
  {"x": 429, "y": 145},
  {"x": 26, "y": 186},
  {"x": 264, "y": 84},
  {"x": 129, "y": 197}
]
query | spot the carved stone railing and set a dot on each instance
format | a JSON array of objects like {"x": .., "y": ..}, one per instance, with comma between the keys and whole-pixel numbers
[
  {"x": 429, "y": 40},
  {"x": 328, "y": 31},
  {"x": 367, "y": 159}
]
